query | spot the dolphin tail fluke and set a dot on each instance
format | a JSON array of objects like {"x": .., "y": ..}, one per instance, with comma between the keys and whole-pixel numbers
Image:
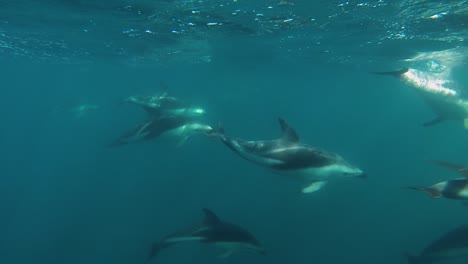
[
  {"x": 432, "y": 192},
  {"x": 392, "y": 73},
  {"x": 432, "y": 122}
]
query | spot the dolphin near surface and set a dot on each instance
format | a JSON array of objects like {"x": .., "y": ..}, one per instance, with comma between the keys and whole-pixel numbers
[
  {"x": 441, "y": 94},
  {"x": 451, "y": 246},
  {"x": 287, "y": 155},
  {"x": 213, "y": 231}
]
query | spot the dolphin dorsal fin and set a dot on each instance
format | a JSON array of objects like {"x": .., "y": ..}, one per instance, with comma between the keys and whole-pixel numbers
[
  {"x": 462, "y": 170},
  {"x": 210, "y": 218},
  {"x": 289, "y": 135}
]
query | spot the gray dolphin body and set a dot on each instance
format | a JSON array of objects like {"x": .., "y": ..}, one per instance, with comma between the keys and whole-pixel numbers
[
  {"x": 456, "y": 189},
  {"x": 287, "y": 155},
  {"x": 214, "y": 231},
  {"x": 446, "y": 102},
  {"x": 163, "y": 105},
  {"x": 179, "y": 126},
  {"x": 451, "y": 246}
]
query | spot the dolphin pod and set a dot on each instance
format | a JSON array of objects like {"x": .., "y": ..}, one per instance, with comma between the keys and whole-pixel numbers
[{"x": 311, "y": 165}]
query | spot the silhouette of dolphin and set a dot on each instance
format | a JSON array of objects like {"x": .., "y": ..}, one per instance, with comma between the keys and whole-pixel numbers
[{"x": 212, "y": 231}]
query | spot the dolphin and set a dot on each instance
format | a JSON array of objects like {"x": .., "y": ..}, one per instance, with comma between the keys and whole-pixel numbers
[
  {"x": 446, "y": 101},
  {"x": 214, "y": 231},
  {"x": 456, "y": 189},
  {"x": 179, "y": 126},
  {"x": 160, "y": 105},
  {"x": 287, "y": 155},
  {"x": 450, "y": 246}
]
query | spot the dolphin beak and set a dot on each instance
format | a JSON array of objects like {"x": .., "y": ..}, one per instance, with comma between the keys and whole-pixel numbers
[{"x": 362, "y": 175}]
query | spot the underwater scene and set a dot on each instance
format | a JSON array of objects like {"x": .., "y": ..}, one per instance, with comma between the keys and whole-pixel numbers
[{"x": 234, "y": 131}]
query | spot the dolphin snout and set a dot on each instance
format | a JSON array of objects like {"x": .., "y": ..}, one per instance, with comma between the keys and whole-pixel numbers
[
  {"x": 362, "y": 175},
  {"x": 356, "y": 174}
]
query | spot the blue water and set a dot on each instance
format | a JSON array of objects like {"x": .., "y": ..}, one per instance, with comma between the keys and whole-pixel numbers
[{"x": 65, "y": 198}]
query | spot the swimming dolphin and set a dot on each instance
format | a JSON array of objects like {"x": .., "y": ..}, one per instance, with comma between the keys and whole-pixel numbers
[
  {"x": 160, "y": 105},
  {"x": 452, "y": 245},
  {"x": 229, "y": 236},
  {"x": 452, "y": 189},
  {"x": 447, "y": 102},
  {"x": 456, "y": 189},
  {"x": 178, "y": 126},
  {"x": 287, "y": 155}
]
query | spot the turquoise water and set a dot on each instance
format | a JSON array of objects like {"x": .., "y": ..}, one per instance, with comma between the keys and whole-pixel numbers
[{"x": 65, "y": 198}]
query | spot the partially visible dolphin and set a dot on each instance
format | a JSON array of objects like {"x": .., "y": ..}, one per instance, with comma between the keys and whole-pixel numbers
[
  {"x": 160, "y": 105},
  {"x": 287, "y": 155},
  {"x": 213, "y": 230},
  {"x": 179, "y": 126},
  {"x": 447, "y": 102},
  {"x": 456, "y": 189},
  {"x": 451, "y": 246}
]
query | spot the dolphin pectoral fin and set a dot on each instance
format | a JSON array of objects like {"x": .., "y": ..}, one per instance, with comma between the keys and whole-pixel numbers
[
  {"x": 227, "y": 253},
  {"x": 182, "y": 141},
  {"x": 434, "y": 121},
  {"x": 465, "y": 123},
  {"x": 313, "y": 187},
  {"x": 154, "y": 251}
]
